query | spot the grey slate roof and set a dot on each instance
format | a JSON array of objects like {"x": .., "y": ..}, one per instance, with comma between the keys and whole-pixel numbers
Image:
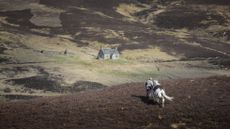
[{"x": 109, "y": 51}]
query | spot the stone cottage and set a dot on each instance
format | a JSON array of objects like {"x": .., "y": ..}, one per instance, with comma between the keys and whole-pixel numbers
[{"x": 108, "y": 53}]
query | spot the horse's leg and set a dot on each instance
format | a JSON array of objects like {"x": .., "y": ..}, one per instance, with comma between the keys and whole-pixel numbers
[
  {"x": 157, "y": 100},
  {"x": 161, "y": 98},
  {"x": 162, "y": 101},
  {"x": 147, "y": 93}
]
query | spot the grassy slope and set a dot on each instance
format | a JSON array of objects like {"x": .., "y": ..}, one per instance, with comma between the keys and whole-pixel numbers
[{"x": 82, "y": 30}]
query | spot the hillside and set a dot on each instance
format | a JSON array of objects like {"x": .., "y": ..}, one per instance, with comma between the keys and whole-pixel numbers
[
  {"x": 49, "y": 47},
  {"x": 199, "y": 104},
  {"x": 50, "y": 77}
]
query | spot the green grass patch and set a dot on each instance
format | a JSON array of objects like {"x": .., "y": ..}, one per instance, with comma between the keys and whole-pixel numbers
[
  {"x": 136, "y": 74},
  {"x": 72, "y": 60},
  {"x": 120, "y": 61}
]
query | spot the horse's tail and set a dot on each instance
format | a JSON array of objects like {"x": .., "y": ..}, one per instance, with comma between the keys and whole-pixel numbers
[{"x": 166, "y": 96}]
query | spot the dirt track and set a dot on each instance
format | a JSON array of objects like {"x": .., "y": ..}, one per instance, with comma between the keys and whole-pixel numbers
[{"x": 199, "y": 104}]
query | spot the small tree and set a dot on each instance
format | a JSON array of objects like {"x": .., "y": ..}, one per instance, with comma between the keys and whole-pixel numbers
[{"x": 65, "y": 52}]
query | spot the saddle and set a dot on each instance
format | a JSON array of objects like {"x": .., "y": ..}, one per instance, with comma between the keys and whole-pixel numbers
[
  {"x": 155, "y": 88},
  {"x": 151, "y": 92}
]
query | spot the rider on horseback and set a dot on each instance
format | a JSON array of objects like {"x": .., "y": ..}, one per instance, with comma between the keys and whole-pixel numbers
[
  {"x": 149, "y": 84},
  {"x": 155, "y": 92}
]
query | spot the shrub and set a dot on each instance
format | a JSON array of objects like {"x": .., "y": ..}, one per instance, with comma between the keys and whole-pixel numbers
[{"x": 7, "y": 90}]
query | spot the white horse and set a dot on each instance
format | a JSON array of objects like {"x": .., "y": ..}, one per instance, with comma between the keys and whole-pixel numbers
[{"x": 159, "y": 96}]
